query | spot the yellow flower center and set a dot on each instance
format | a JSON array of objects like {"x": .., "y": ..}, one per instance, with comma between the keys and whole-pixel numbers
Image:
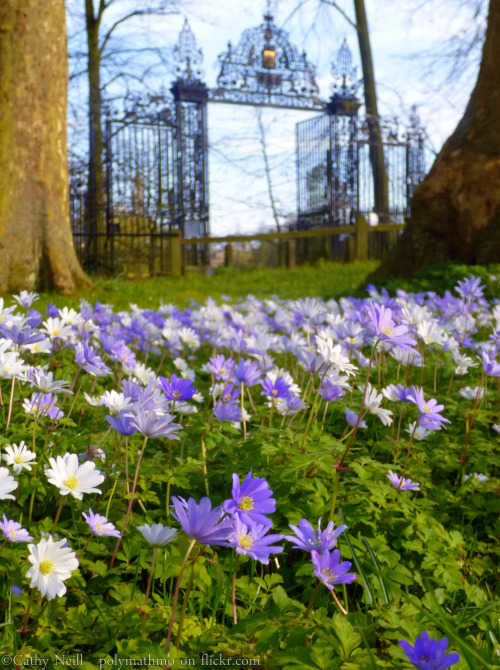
[
  {"x": 387, "y": 330},
  {"x": 274, "y": 393},
  {"x": 46, "y": 567},
  {"x": 426, "y": 408},
  {"x": 328, "y": 572},
  {"x": 71, "y": 482},
  {"x": 246, "y": 504},
  {"x": 245, "y": 541},
  {"x": 18, "y": 460},
  {"x": 98, "y": 527},
  {"x": 176, "y": 394}
]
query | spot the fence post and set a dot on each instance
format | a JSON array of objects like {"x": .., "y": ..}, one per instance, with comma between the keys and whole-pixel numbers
[
  {"x": 176, "y": 253},
  {"x": 361, "y": 238},
  {"x": 291, "y": 253},
  {"x": 229, "y": 255},
  {"x": 350, "y": 247}
]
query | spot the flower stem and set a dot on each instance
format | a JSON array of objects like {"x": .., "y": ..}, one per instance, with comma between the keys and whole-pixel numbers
[
  {"x": 148, "y": 589},
  {"x": 204, "y": 463},
  {"x": 184, "y": 607},
  {"x": 313, "y": 598},
  {"x": 233, "y": 589},
  {"x": 347, "y": 449},
  {"x": 58, "y": 513},
  {"x": 11, "y": 399},
  {"x": 334, "y": 496},
  {"x": 341, "y": 608},
  {"x": 24, "y": 627},
  {"x": 177, "y": 589},
  {"x": 242, "y": 396},
  {"x": 131, "y": 502}
]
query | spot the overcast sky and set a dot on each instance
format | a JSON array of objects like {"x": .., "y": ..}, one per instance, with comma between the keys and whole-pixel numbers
[{"x": 400, "y": 31}]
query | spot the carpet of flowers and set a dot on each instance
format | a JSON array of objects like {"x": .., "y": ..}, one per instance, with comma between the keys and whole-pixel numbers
[{"x": 310, "y": 483}]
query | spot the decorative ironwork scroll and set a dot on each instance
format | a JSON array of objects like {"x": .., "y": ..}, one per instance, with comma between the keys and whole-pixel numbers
[
  {"x": 265, "y": 69},
  {"x": 188, "y": 57}
]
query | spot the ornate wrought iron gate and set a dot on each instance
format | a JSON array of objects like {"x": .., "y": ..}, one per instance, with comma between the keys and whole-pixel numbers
[
  {"x": 337, "y": 181},
  {"x": 156, "y": 156}
]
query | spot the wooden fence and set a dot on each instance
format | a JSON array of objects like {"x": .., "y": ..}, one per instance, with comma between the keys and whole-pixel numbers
[{"x": 357, "y": 243}]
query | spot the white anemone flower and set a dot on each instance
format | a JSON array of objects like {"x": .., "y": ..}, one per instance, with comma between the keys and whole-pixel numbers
[
  {"x": 334, "y": 355},
  {"x": 56, "y": 328},
  {"x": 42, "y": 347},
  {"x": 52, "y": 564},
  {"x": 157, "y": 535},
  {"x": 475, "y": 393},
  {"x": 70, "y": 477},
  {"x": 7, "y": 484},
  {"x": 19, "y": 457},
  {"x": 115, "y": 402},
  {"x": 372, "y": 404},
  {"x": 419, "y": 432},
  {"x": 11, "y": 365}
]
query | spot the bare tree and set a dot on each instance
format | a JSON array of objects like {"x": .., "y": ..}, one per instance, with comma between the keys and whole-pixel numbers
[
  {"x": 377, "y": 158},
  {"x": 108, "y": 47},
  {"x": 36, "y": 246}
]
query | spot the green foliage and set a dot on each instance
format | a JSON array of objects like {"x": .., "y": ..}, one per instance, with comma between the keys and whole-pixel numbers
[{"x": 424, "y": 560}]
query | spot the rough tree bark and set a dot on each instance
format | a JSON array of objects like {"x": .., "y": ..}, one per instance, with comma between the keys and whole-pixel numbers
[
  {"x": 36, "y": 244},
  {"x": 455, "y": 211},
  {"x": 95, "y": 190}
]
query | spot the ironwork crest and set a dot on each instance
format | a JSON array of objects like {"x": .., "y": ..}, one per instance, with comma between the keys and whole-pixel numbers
[{"x": 266, "y": 69}]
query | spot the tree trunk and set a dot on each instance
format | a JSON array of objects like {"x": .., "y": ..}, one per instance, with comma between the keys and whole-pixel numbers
[
  {"x": 455, "y": 211},
  {"x": 36, "y": 244},
  {"x": 95, "y": 190},
  {"x": 377, "y": 158}
]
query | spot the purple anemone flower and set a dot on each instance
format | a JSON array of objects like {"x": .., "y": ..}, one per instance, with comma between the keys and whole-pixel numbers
[
  {"x": 246, "y": 372},
  {"x": 429, "y": 410},
  {"x": 386, "y": 330},
  {"x": 470, "y": 288},
  {"x": 330, "y": 570},
  {"x": 202, "y": 523},
  {"x": 429, "y": 654},
  {"x": 13, "y": 531},
  {"x": 228, "y": 412},
  {"x": 99, "y": 525},
  {"x": 43, "y": 404},
  {"x": 253, "y": 541},
  {"x": 124, "y": 423},
  {"x": 277, "y": 389},
  {"x": 230, "y": 394},
  {"x": 401, "y": 483},
  {"x": 308, "y": 539},
  {"x": 52, "y": 310},
  {"x": 352, "y": 418},
  {"x": 88, "y": 358},
  {"x": 151, "y": 423},
  {"x": 220, "y": 366},
  {"x": 251, "y": 501},
  {"x": 331, "y": 392},
  {"x": 177, "y": 389},
  {"x": 21, "y": 335},
  {"x": 490, "y": 365}
]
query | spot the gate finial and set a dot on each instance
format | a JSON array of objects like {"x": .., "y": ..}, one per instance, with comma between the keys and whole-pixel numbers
[{"x": 187, "y": 54}]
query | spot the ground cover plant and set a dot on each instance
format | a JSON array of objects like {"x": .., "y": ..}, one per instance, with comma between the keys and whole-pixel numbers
[{"x": 280, "y": 483}]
